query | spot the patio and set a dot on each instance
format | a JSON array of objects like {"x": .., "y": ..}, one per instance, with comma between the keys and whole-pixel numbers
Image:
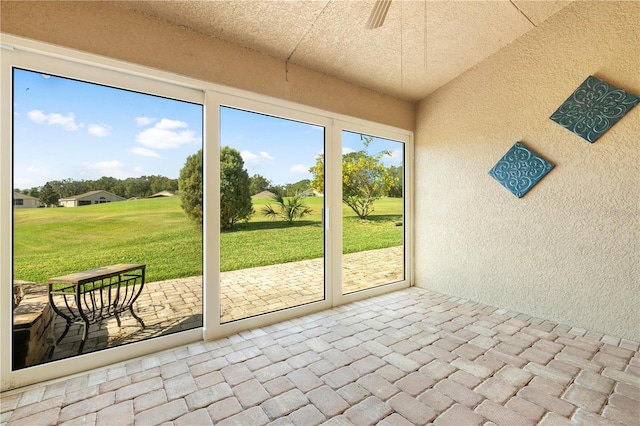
[
  {"x": 408, "y": 357},
  {"x": 176, "y": 305}
]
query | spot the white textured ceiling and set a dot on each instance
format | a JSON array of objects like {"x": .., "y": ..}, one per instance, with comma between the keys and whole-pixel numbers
[{"x": 422, "y": 45}]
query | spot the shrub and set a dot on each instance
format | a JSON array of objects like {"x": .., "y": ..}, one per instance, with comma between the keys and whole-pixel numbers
[
  {"x": 191, "y": 187},
  {"x": 289, "y": 208},
  {"x": 235, "y": 195}
]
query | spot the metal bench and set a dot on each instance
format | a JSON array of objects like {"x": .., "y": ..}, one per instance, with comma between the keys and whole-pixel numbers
[{"x": 91, "y": 296}]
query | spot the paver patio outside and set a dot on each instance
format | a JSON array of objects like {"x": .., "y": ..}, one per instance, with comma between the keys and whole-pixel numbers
[
  {"x": 408, "y": 357},
  {"x": 176, "y": 305}
]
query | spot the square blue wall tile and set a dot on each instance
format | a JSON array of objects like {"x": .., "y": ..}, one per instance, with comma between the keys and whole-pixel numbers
[
  {"x": 593, "y": 108},
  {"x": 520, "y": 169}
]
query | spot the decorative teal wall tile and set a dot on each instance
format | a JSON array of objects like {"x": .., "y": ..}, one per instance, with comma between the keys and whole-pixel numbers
[
  {"x": 520, "y": 169},
  {"x": 593, "y": 108}
]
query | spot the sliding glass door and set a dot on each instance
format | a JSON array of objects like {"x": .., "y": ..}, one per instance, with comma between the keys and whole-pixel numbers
[
  {"x": 373, "y": 225},
  {"x": 271, "y": 233}
]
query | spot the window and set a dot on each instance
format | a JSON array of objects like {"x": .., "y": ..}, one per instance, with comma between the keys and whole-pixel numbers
[
  {"x": 130, "y": 133},
  {"x": 73, "y": 137},
  {"x": 18, "y": 202},
  {"x": 271, "y": 240},
  {"x": 373, "y": 224}
]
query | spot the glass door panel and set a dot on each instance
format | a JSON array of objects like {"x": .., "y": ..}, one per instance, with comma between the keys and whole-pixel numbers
[
  {"x": 271, "y": 233},
  {"x": 99, "y": 229},
  {"x": 373, "y": 212}
]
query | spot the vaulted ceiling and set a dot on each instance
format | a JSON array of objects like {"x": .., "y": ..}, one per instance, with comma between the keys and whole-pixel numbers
[{"x": 422, "y": 45}]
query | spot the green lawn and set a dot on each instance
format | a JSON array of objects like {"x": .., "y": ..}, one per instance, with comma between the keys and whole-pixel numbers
[{"x": 52, "y": 242}]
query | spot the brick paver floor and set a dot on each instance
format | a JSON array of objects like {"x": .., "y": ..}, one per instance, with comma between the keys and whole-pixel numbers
[
  {"x": 176, "y": 305},
  {"x": 408, "y": 357}
]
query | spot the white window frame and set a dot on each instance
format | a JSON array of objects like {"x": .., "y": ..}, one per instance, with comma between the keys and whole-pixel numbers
[
  {"x": 37, "y": 56},
  {"x": 407, "y": 140}
]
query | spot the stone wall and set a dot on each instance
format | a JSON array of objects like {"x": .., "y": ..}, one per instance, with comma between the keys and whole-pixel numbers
[{"x": 33, "y": 322}]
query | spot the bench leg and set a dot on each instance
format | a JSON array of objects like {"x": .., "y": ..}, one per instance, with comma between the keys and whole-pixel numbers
[
  {"x": 85, "y": 333},
  {"x": 64, "y": 333},
  {"x": 135, "y": 316}
]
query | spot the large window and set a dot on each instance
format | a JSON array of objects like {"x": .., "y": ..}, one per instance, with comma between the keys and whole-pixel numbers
[
  {"x": 107, "y": 150},
  {"x": 162, "y": 210}
]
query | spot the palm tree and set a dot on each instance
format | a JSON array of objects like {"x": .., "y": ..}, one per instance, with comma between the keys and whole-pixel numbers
[{"x": 288, "y": 208}]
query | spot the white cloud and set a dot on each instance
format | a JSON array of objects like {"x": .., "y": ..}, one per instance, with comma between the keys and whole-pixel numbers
[
  {"x": 266, "y": 155},
  {"x": 164, "y": 136},
  {"x": 145, "y": 121},
  {"x": 104, "y": 168},
  {"x": 347, "y": 150},
  {"x": 396, "y": 156},
  {"x": 99, "y": 130},
  {"x": 252, "y": 159},
  {"x": 37, "y": 116},
  {"x": 104, "y": 165},
  {"x": 299, "y": 169},
  {"x": 166, "y": 124},
  {"x": 38, "y": 170},
  {"x": 144, "y": 152},
  {"x": 249, "y": 157},
  {"x": 112, "y": 168},
  {"x": 23, "y": 182},
  {"x": 67, "y": 122}
]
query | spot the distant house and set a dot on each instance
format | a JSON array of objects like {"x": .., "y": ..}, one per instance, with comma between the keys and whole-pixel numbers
[
  {"x": 263, "y": 194},
  {"x": 163, "y": 194},
  {"x": 88, "y": 198},
  {"x": 24, "y": 201}
]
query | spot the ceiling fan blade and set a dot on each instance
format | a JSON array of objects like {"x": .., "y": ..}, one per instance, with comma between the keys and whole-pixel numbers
[{"x": 379, "y": 12}]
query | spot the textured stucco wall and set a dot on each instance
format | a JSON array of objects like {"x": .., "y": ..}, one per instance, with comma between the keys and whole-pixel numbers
[
  {"x": 569, "y": 249},
  {"x": 115, "y": 32}
]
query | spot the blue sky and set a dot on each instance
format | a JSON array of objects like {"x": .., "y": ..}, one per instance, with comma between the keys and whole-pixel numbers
[
  {"x": 283, "y": 150},
  {"x": 69, "y": 129},
  {"x": 280, "y": 150}
]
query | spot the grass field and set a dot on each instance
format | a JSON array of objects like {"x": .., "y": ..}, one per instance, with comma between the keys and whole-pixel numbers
[
  {"x": 156, "y": 232},
  {"x": 262, "y": 241}
]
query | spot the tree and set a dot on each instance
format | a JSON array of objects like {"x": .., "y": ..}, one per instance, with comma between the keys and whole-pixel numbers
[
  {"x": 289, "y": 208},
  {"x": 141, "y": 187},
  {"x": 235, "y": 197},
  {"x": 258, "y": 183},
  {"x": 109, "y": 184},
  {"x": 395, "y": 173},
  {"x": 34, "y": 192},
  {"x": 190, "y": 183},
  {"x": 298, "y": 187},
  {"x": 49, "y": 196},
  {"x": 364, "y": 178},
  {"x": 162, "y": 183}
]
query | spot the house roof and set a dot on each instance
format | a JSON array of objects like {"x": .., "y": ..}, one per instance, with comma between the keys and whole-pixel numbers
[
  {"x": 19, "y": 195},
  {"x": 88, "y": 194},
  {"x": 164, "y": 193},
  {"x": 263, "y": 194},
  {"x": 421, "y": 45}
]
